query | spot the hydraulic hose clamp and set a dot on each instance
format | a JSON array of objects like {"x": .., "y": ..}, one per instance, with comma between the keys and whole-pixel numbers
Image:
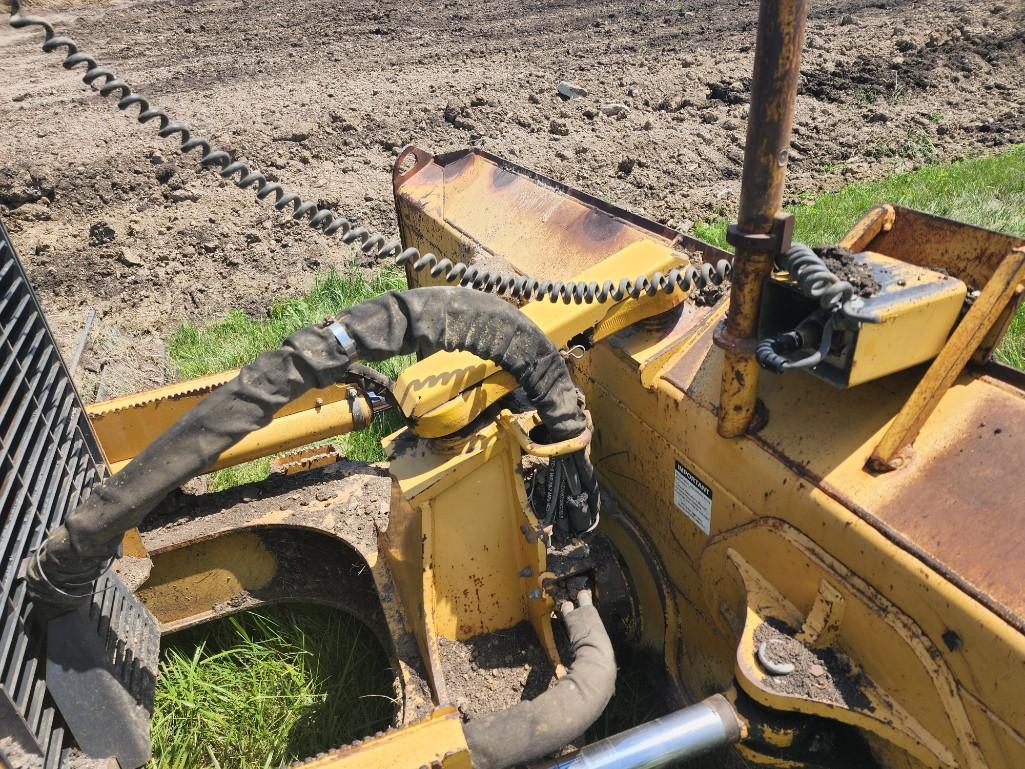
[{"x": 344, "y": 340}]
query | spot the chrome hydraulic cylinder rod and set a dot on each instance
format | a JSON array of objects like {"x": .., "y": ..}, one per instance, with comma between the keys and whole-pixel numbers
[{"x": 677, "y": 737}]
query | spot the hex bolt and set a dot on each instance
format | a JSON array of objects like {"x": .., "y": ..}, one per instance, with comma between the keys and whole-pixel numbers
[
  {"x": 535, "y": 594},
  {"x": 525, "y": 572}
]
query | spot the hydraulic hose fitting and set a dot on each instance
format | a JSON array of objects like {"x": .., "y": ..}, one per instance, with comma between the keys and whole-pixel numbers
[
  {"x": 815, "y": 333},
  {"x": 769, "y": 352}
]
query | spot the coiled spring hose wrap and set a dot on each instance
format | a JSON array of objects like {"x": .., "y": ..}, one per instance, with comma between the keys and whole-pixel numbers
[
  {"x": 817, "y": 281},
  {"x": 319, "y": 218}
]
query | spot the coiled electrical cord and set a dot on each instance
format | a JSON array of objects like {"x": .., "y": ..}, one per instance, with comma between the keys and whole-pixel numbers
[
  {"x": 244, "y": 176},
  {"x": 836, "y": 299},
  {"x": 817, "y": 281},
  {"x": 816, "y": 331}
]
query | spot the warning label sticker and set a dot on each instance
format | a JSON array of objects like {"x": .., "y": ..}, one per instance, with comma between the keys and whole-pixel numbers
[{"x": 693, "y": 497}]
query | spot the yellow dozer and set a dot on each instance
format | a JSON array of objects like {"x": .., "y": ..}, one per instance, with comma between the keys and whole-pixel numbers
[{"x": 790, "y": 476}]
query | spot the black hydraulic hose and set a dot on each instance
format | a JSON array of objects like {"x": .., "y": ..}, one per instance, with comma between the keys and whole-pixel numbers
[
  {"x": 816, "y": 331},
  {"x": 62, "y": 571},
  {"x": 769, "y": 352},
  {"x": 450, "y": 318},
  {"x": 531, "y": 730},
  {"x": 494, "y": 330}
]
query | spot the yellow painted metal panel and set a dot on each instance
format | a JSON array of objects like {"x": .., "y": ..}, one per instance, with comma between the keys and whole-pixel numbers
[
  {"x": 125, "y": 426},
  {"x": 191, "y": 581},
  {"x": 437, "y": 741}
]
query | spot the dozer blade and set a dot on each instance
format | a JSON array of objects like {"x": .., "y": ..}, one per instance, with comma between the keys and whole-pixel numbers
[{"x": 475, "y": 207}]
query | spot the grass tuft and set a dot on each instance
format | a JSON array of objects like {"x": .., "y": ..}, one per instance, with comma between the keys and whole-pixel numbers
[
  {"x": 238, "y": 338},
  {"x": 987, "y": 191},
  {"x": 264, "y": 688}
]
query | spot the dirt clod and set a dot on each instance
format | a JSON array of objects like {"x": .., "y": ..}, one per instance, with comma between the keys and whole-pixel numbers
[
  {"x": 841, "y": 262},
  {"x": 496, "y": 670},
  {"x": 558, "y": 127},
  {"x": 101, "y": 233}
]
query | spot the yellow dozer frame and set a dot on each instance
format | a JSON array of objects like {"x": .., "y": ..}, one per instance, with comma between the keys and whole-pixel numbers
[{"x": 842, "y": 564}]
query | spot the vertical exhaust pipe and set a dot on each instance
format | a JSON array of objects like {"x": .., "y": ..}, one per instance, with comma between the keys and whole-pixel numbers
[
  {"x": 680, "y": 736},
  {"x": 759, "y": 235}
]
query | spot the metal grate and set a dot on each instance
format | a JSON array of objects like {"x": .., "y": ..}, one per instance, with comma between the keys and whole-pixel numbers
[{"x": 49, "y": 461}]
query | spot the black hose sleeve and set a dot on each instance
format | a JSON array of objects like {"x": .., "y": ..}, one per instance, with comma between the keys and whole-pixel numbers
[
  {"x": 531, "y": 730},
  {"x": 62, "y": 571},
  {"x": 434, "y": 318},
  {"x": 75, "y": 554}
]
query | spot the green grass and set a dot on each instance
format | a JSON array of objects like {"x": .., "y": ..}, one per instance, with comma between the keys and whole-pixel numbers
[
  {"x": 238, "y": 339},
  {"x": 987, "y": 191},
  {"x": 264, "y": 688}
]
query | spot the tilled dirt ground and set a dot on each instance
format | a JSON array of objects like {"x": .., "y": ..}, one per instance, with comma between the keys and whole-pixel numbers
[
  {"x": 321, "y": 94},
  {"x": 507, "y": 666}
]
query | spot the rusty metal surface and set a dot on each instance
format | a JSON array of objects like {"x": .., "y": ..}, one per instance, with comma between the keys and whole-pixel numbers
[
  {"x": 773, "y": 91},
  {"x": 962, "y": 510},
  {"x": 956, "y": 506},
  {"x": 969, "y": 253},
  {"x": 999, "y": 291},
  {"x": 503, "y": 215}
]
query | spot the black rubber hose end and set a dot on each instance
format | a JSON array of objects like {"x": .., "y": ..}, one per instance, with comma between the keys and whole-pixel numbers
[{"x": 769, "y": 352}]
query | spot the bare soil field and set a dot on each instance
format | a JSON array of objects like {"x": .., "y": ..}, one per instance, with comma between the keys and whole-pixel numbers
[{"x": 322, "y": 94}]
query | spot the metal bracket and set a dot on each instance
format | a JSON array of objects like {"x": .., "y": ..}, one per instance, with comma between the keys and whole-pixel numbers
[
  {"x": 892, "y": 452},
  {"x": 519, "y": 426},
  {"x": 775, "y": 241}
]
